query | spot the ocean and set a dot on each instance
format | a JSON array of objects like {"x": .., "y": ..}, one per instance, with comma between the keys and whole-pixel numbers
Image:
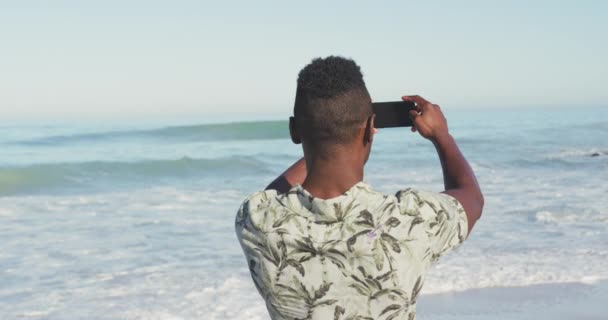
[{"x": 135, "y": 219}]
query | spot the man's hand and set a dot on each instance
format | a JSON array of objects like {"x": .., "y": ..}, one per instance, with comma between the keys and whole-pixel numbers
[{"x": 427, "y": 119}]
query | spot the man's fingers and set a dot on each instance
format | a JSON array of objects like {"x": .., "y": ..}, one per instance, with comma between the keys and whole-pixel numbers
[
  {"x": 413, "y": 115},
  {"x": 415, "y": 98},
  {"x": 416, "y": 120},
  {"x": 428, "y": 106}
]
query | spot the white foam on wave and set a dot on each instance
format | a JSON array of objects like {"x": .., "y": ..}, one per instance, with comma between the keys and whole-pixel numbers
[
  {"x": 471, "y": 269},
  {"x": 157, "y": 199},
  {"x": 5, "y": 212},
  {"x": 586, "y": 217},
  {"x": 235, "y": 298},
  {"x": 35, "y": 314},
  {"x": 577, "y": 153},
  {"x": 545, "y": 216},
  {"x": 231, "y": 298}
]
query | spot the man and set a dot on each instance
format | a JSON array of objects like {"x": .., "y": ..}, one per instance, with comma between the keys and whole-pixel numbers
[{"x": 322, "y": 244}]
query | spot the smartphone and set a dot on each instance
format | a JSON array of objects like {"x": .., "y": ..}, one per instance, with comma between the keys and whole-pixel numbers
[{"x": 393, "y": 114}]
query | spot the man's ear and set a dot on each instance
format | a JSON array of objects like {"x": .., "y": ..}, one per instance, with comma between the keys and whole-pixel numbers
[
  {"x": 369, "y": 130},
  {"x": 293, "y": 131}
]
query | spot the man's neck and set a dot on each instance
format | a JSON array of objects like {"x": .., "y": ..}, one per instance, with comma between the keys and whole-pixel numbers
[{"x": 329, "y": 178}]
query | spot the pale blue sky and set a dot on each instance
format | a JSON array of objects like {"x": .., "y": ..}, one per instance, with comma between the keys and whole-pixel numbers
[{"x": 129, "y": 59}]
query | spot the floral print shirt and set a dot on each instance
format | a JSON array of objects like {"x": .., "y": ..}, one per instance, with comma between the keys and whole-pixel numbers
[{"x": 361, "y": 255}]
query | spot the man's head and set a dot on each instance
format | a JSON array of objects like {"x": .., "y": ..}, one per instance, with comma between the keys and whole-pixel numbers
[{"x": 332, "y": 107}]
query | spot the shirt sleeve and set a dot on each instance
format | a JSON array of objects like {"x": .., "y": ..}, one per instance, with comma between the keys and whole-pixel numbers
[
  {"x": 440, "y": 215},
  {"x": 250, "y": 223}
]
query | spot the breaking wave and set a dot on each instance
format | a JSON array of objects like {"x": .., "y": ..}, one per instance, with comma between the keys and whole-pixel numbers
[
  {"x": 263, "y": 130},
  {"x": 73, "y": 176}
]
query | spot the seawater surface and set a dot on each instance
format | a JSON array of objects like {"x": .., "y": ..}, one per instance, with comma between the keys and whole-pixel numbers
[{"x": 136, "y": 220}]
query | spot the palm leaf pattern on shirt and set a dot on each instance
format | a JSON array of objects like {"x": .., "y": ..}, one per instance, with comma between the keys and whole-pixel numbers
[
  {"x": 312, "y": 298},
  {"x": 381, "y": 237}
]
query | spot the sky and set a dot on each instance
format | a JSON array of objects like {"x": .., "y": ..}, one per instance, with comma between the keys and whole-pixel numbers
[{"x": 130, "y": 59}]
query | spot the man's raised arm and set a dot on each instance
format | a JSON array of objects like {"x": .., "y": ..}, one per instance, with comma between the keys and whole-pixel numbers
[
  {"x": 458, "y": 177},
  {"x": 292, "y": 176}
]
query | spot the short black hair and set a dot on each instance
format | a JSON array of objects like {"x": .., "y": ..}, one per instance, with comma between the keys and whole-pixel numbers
[{"x": 331, "y": 101}]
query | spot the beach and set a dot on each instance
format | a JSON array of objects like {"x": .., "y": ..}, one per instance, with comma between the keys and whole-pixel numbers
[
  {"x": 135, "y": 219},
  {"x": 557, "y": 301}
]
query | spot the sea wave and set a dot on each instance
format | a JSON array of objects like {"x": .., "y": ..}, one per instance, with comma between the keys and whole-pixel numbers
[
  {"x": 599, "y": 126},
  {"x": 41, "y": 178},
  {"x": 573, "y": 217},
  {"x": 262, "y": 130},
  {"x": 565, "y": 159},
  {"x": 578, "y": 153}
]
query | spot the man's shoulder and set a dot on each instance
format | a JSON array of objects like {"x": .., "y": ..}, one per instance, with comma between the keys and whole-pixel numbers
[
  {"x": 414, "y": 192},
  {"x": 418, "y": 195},
  {"x": 415, "y": 201},
  {"x": 261, "y": 195},
  {"x": 257, "y": 199}
]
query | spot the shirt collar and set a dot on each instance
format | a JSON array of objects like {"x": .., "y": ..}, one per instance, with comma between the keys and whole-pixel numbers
[{"x": 326, "y": 210}]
